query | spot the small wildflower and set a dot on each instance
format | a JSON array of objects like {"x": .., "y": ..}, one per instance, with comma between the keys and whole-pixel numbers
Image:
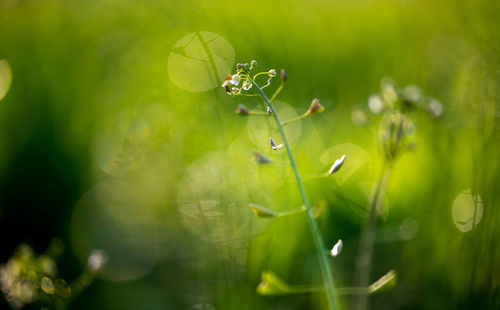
[
  {"x": 235, "y": 91},
  {"x": 274, "y": 146},
  {"x": 253, "y": 63},
  {"x": 359, "y": 117},
  {"x": 337, "y": 248},
  {"x": 269, "y": 111},
  {"x": 272, "y": 73},
  {"x": 261, "y": 159},
  {"x": 336, "y": 165},
  {"x": 315, "y": 107},
  {"x": 412, "y": 94},
  {"x": 231, "y": 80},
  {"x": 435, "y": 108},
  {"x": 242, "y": 110},
  {"x": 247, "y": 85},
  {"x": 375, "y": 104},
  {"x": 283, "y": 75},
  {"x": 97, "y": 260}
]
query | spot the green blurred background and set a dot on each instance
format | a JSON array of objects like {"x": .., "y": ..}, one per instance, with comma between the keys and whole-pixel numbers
[{"x": 109, "y": 139}]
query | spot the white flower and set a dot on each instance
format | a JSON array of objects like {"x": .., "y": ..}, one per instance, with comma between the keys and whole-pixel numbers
[
  {"x": 336, "y": 165},
  {"x": 247, "y": 85},
  {"x": 272, "y": 73},
  {"x": 231, "y": 80},
  {"x": 375, "y": 104},
  {"x": 435, "y": 108},
  {"x": 274, "y": 146},
  {"x": 337, "y": 248},
  {"x": 97, "y": 260}
]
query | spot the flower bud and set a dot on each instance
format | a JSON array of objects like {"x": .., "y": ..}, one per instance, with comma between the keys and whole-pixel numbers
[
  {"x": 269, "y": 111},
  {"x": 337, "y": 248},
  {"x": 386, "y": 282},
  {"x": 315, "y": 107},
  {"x": 336, "y": 165},
  {"x": 283, "y": 75},
  {"x": 242, "y": 110},
  {"x": 272, "y": 73},
  {"x": 261, "y": 158},
  {"x": 261, "y": 211},
  {"x": 274, "y": 146},
  {"x": 271, "y": 284},
  {"x": 97, "y": 260}
]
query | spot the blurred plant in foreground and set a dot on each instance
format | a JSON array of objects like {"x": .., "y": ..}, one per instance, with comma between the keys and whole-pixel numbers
[{"x": 27, "y": 278}]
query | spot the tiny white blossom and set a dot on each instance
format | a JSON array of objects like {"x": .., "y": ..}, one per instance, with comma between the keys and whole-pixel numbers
[
  {"x": 274, "y": 146},
  {"x": 337, "y": 248},
  {"x": 272, "y": 73},
  {"x": 247, "y": 85},
  {"x": 436, "y": 108},
  {"x": 97, "y": 260},
  {"x": 336, "y": 165},
  {"x": 231, "y": 80},
  {"x": 375, "y": 104}
]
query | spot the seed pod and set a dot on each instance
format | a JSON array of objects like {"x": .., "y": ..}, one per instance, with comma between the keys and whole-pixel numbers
[
  {"x": 315, "y": 107},
  {"x": 283, "y": 75},
  {"x": 336, "y": 165},
  {"x": 242, "y": 110}
]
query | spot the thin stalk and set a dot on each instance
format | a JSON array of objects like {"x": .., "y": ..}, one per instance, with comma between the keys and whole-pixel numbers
[
  {"x": 291, "y": 211},
  {"x": 318, "y": 240},
  {"x": 340, "y": 291},
  {"x": 293, "y": 120},
  {"x": 277, "y": 92},
  {"x": 365, "y": 252}
]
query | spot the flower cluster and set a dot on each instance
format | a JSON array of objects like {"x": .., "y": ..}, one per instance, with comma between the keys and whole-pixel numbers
[
  {"x": 391, "y": 107},
  {"x": 393, "y": 98},
  {"x": 241, "y": 80}
]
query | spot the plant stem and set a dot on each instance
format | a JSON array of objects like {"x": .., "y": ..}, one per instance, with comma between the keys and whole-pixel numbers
[
  {"x": 318, "y": 240},
  {"x": 298, "y": 118},
  {"x": 365, "y": 252}
]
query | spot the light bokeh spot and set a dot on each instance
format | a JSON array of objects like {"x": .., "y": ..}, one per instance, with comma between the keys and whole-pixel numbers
[
  {"x": 465, "y": 207},
  {"x": 195, "y": 57},
  {"x": 213, "y": 205},
  {"x": 125, "y": 219},
  {"x": 120, "y": 144},
  {"x": 5, "y": 78}
]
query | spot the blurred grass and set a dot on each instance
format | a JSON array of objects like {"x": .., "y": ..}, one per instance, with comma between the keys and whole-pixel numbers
[{"x": 85, "y": 74}]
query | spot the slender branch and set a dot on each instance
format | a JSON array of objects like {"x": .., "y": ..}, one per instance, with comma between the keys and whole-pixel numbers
[
  {"x": 318, "y": 240},
  {"x": 277, "y": 92},
  {"x": 365, "y": 252},
  {"x": 293, "y": 120}
]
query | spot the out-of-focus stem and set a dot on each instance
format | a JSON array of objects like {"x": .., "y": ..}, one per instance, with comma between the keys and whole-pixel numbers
[
  {"x": 365, "y": 251},
  {"x": 318, "y": 240}
]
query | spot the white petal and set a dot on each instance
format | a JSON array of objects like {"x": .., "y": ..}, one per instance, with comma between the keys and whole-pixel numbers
[
  {"x": 336, "y": 165},
  {"x": 337, "y": 248}
]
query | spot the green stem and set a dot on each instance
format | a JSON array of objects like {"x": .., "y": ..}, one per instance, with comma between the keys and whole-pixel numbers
[
  {"x": 355, "y": 290},
  {"x": 318, "y": 240},
  {"x": 293, "y": 120},
  {"x": 365, "y": 252},
  {"x": 292, "y": 211},
  {"x": 277, "y": 92}
]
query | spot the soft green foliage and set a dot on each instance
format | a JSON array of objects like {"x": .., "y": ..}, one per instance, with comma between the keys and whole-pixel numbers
[{"x": 113, "y": 137}]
